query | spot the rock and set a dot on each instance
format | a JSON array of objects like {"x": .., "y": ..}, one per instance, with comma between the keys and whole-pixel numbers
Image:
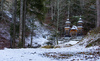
[{"x": 36, "y": 45}]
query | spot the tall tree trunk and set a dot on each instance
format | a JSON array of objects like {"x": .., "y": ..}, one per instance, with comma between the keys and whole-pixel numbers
[
  {"x": 98, "y": 12},
  {"x": 21, "y": 19},
  {"x": 57, "y": 21},
  {"x": 23, "y": 23},
  {"x": 51, "y": 3},
  {"x": 14, "y": 20},
  {"x": 31, "y": 35}
]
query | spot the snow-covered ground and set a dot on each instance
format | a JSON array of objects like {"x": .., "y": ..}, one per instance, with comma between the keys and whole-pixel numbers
[
  {"x": 30, "y": 54},
  {"x": 71, "y": 42}
]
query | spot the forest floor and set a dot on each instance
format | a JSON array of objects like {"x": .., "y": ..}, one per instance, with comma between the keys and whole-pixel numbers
[{"x": 73, "y": 53}]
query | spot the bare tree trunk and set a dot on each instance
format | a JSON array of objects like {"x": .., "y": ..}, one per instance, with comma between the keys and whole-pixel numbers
[
  {"x": 98, "y": 12},
  {"x": 51, "y": 3},
  {"x": 21, "y": 19},
  {"x": 31, "y": 35},
  {"x": 14, "y": 20},
  {"x": 23, "y": 23},
  {"x": 57, "y": 21}
]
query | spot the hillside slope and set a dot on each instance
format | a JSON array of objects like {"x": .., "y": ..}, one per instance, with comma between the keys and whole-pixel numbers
[
  {"x": 5, "y": 31},
  {"x": 41, "y": 34},
  {"x": 91, "y": 39}
]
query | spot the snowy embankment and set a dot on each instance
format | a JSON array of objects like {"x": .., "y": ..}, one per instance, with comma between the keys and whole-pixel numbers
[
  {"x": 41, "y": 34},
  {"x": 89, "y": 39}
]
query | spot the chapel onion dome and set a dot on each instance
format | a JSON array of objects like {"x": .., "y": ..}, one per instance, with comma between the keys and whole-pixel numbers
[
  {"x": 67, "y": 21},
  {"x": 80, "y": 20}
]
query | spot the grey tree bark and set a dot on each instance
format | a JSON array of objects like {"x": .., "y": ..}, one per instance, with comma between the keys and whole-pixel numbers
[
  {"x": 57, "y": 21},
  {"x": 31, "y": 33},
  {"x": 21, "y": 19},
  {"x": 23, "y": 23},
  {"x": 98, "y": 12},
  {"x": 14, "y": 20}
]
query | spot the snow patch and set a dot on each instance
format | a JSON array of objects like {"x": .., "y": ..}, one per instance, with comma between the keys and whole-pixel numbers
[
  {"x": 71, "y": 42},
  {"x": 41, "y": 36},
  {"x": 74, "y": 27},
  {"x": 4, "y": 31},
  {"x": 8, "y": 14}
]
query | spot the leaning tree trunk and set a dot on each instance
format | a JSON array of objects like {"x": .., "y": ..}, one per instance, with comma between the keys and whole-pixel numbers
[{"x": 98, "y": 12}]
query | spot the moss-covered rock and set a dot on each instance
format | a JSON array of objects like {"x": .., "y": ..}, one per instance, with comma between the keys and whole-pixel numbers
[
  {"x": 57, "y": 47},
  {"x": 94, "y": 43},
  {"x": 48, "y": 46}
]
